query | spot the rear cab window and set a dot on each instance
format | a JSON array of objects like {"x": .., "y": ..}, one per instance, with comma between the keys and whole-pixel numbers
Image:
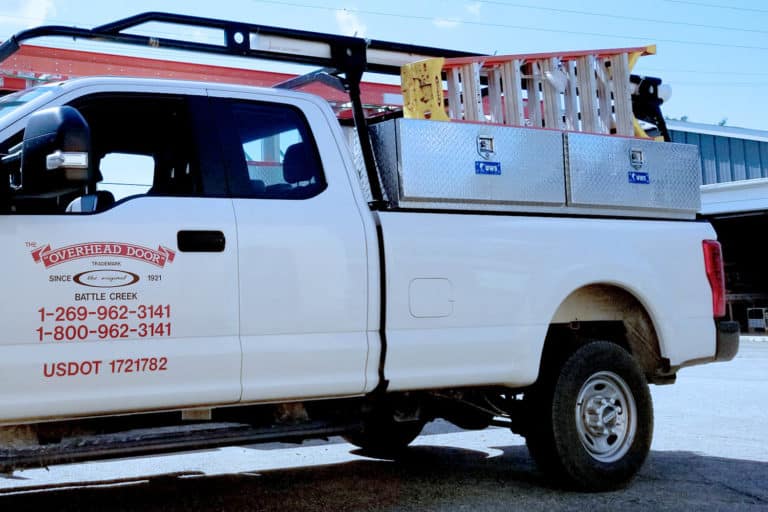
[{"x": 271, "y": 151}]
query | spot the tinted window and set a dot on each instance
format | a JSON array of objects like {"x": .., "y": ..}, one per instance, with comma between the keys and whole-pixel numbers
[
  {"x": 144, "y": 144},
  {"x": 13, "y": 101},
  {"x": 141, "y": 144},
  {"x": 276, "y": 155}
]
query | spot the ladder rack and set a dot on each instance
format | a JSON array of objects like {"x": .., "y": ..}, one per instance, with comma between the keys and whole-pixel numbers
[{"x": 345, "y": 58}]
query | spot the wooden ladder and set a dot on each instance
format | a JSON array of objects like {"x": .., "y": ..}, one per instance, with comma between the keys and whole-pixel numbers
[{"x": 586, "y": 91}]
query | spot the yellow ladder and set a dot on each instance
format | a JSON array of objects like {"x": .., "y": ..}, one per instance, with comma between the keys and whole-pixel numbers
[{"x": 586, "y": 91}]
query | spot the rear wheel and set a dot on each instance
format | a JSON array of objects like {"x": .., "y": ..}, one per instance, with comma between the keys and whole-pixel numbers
[{"x": 591, "y": 419}]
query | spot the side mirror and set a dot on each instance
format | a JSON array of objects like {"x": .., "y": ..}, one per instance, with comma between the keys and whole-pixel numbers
[{"x": 55, "y": 151}]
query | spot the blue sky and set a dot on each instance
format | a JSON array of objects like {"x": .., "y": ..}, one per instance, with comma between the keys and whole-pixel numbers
[{"x": 712, "y": 52}]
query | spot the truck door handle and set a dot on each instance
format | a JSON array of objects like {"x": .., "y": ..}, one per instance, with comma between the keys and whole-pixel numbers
[{"x": 201, "y": 241}]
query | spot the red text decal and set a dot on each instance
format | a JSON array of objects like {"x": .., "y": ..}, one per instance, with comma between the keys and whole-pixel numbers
[{"x": 50, "y": 257}]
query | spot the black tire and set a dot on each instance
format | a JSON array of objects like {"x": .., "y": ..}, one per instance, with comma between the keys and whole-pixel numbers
[
  {"x": 591, "y": 419},
  {"x": 382, "y": 436}
]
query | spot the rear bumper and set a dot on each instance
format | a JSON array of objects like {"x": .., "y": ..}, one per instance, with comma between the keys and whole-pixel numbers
[{"x": 727, "y": 340}]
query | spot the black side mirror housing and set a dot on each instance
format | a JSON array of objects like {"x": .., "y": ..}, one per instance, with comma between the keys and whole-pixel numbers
[{"x": 56, "y": 151}]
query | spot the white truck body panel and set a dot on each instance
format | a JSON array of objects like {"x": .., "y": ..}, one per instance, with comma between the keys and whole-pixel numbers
[
  {"x": 44, "y": 329},
  {"x": 509, "y": 274}
]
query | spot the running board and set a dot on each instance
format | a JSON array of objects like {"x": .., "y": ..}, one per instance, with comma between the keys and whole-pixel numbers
[{"x": 161, "y": 440}]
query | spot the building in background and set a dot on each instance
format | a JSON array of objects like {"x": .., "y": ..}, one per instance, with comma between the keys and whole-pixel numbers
[
  {"x": 734, "y": 197},
  {"x": 728, "y": 154}
]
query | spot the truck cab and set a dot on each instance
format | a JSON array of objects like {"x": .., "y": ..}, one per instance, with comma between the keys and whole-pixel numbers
[{"x": 188, "y": 180}]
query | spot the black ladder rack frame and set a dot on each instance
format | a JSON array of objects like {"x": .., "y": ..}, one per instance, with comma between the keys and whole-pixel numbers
[{"x": 347, "y": 56}]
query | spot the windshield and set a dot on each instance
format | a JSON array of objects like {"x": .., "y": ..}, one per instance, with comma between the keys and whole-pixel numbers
[{"x": 11, "y": 102}]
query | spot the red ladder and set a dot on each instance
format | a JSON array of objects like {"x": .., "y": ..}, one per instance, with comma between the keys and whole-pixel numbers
[{"x": 588, "y": 91}]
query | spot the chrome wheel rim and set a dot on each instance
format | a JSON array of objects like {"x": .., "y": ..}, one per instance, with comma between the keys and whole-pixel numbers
[{"x": 606, "y": 416}]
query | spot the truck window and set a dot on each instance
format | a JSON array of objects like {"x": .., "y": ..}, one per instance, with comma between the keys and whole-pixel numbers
[
  {"x": 142, "y": 145},
  {"x": 13, "y": 101},
  {"x": 273, "y": 154}
]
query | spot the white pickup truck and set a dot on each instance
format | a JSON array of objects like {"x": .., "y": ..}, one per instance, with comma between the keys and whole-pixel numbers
[{"x": 190, "y": 265}]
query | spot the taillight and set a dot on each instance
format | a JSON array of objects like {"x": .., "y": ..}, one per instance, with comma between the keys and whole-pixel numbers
[{"x": 713, "y": 262}]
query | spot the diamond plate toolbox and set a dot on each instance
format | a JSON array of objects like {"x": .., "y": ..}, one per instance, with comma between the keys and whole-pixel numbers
[
  {"x": 641, "y": 176},
  {"x": 431, "y": 164}
]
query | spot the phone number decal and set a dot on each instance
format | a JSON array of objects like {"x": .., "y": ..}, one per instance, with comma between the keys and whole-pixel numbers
[
  {"x": 83, "y": 323},
  {"x": 82, "y": 313},
  {"x": 82, "y": 332}
]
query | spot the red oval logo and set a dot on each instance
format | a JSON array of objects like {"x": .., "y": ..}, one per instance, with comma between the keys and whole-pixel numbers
[{"x": 106, "y": 278}]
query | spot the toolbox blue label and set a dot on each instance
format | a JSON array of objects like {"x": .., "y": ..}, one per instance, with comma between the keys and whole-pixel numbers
[
  {"x": 493, "y": 168},
  {"x": 642, "y": 178}
]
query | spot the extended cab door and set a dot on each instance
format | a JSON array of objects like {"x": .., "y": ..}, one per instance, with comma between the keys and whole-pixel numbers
[
  {"x": 302, "y": 251},
  {"x": 131, "y": 305}
]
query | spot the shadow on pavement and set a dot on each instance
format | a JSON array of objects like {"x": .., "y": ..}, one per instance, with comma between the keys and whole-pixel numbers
[{"x": 427, "y": 479}]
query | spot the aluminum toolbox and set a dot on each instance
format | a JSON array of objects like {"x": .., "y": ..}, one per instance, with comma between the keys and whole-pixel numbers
[
  {"x": 473, "y": 166},
  {"x": 643, "y": 177},
  {"x": 442, "y": 165}
]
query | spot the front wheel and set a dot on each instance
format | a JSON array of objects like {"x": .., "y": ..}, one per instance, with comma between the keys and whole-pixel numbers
[{"x": 591, "y": 422}]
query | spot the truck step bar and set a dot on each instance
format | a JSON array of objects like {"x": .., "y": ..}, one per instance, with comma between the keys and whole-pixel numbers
[{"x": 161, "y": 440}]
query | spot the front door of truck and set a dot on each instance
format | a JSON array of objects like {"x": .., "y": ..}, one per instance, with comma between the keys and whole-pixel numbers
[{"x": 130, "y": 304}]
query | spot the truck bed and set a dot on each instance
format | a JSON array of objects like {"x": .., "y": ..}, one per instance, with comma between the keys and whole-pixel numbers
[{"x": 470, "y": 297}]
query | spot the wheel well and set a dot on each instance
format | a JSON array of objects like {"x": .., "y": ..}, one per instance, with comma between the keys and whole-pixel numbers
[{"x": 604, "y": 312}]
